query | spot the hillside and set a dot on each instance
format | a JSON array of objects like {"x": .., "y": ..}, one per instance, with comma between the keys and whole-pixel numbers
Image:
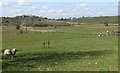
[
  {"x": 94, "y": 20},
  {"x": 44, "y": 21}
]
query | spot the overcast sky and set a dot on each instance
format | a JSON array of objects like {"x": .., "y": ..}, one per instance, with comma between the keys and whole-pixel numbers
[{"x": 58, "y": 9}]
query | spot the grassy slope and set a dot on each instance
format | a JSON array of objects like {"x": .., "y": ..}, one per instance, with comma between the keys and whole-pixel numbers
[{"x": 72, "y": 48}]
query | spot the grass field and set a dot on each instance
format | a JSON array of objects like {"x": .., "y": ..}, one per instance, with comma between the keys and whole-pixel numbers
[{"x": 75, "y": 48}]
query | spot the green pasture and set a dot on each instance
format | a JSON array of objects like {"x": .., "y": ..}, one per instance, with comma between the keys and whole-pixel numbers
[{"x": 74, "y": 48}]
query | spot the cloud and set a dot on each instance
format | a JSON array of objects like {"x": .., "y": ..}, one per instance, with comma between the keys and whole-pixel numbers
[
  {"x": 60, "y": 10},
  {"x": 87, "y": 8},
  {"x": 82, "y": 5},
  {"x": 116, "y": 4},
  {"x": 45, "y": 7},
  {"x": 15, "y": 10},
  {"x": 40, "y": 8},
  {"x": 100, "y": 13},
  {"x": 17, "y": 6},
  {"x": 51, "y": 11},
  {"x": 72, "y": 0},
  {"x": 54, "y": 15},
  {"x": 3, "y": 4},
  {"x": 55, "y": 11},
  {"x": 34, "y": 7},
  {"x": 23, "y": 2},
  {"x": 58, "y": 13}
]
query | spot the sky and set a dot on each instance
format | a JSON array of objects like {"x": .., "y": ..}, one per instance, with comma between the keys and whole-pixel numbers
[{"x": 59, "y": 8}]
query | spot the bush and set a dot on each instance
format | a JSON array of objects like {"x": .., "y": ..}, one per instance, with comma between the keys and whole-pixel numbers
[
  {"x": 18, "y": 27},
  {"x": 106, "y": 23}
]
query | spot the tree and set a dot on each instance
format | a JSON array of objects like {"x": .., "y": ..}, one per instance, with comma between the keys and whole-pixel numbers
[{"x": 61, "y": 19}]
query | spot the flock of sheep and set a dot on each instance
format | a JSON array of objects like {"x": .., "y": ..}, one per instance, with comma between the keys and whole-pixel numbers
[
  {"x": 104, "y": 34},
  {"x": 107, "y": 33}
]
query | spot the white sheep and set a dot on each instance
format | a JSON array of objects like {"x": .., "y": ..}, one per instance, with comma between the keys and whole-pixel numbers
[
  {"x": 104, "y": 33},
  {"x": 9, "y": 52},
  {"x": 99, "y": 35},
  {"x": 107, "y": 33}
]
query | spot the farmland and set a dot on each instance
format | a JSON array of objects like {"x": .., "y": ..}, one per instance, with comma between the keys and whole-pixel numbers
[{"x": 72, "y": 48}]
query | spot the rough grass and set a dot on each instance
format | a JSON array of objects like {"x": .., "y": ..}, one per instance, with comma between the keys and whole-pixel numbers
[{"x": 71, "y": 49}]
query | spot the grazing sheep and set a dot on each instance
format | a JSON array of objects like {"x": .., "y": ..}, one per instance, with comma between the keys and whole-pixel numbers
[
  {"x": 10, "y": 52},
  {"x": 104, "y": 33},
  {"x": 115, "y": 32},
  {"x": 100, "y": 34},
  {"x": 107, "y": 33}
]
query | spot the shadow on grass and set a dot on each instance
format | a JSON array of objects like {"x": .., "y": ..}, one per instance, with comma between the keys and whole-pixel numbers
[
  {"x": 61, "y": 56},
  {"x": 50, "y": 58},
  {"x": 65, "y": 55}
]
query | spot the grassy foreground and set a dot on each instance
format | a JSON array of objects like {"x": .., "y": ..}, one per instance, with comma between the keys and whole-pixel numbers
[{"x": 76, "y": 48}]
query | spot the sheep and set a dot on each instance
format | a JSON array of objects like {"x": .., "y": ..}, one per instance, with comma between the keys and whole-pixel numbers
[
  {"x": 107, "y": 33},
  {"x": 9, "y": 52},
  {"x": 115, "y": 32},
  {"x": 100, "y": 34},
  {"x": 104, "y": 33}
]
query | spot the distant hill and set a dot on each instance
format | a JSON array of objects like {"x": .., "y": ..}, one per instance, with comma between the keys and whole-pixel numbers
[
  {"x": 97, "y": 20},
  {"x": 44, "y": 21}
]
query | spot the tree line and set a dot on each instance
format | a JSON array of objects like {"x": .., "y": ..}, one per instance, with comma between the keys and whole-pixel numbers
[{"x": 32, "y": 20}]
